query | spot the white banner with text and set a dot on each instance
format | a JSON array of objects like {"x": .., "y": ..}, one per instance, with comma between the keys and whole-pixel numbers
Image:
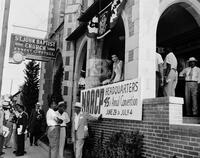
[{"x": 120, "y": 100}]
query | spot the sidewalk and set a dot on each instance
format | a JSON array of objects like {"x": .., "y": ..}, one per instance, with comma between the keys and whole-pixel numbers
[{"x": 32, "y": 152}]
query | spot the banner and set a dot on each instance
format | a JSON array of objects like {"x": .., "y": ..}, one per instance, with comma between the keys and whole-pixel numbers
[
  {"x": 93, "y": 27},
  {"x": 104, "y": 22},
  {"x": 23, "y": 47},
  {"x": 116, "y": 10},
  {"x": 120, "y": 100},
  {"x": 107, "y": 18}
]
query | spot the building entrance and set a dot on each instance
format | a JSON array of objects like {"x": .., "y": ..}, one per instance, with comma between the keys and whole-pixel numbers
[{"x": 178, "y": 29}]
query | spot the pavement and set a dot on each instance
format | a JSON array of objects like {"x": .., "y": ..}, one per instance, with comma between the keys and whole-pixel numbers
[{"x": 32, "y": 152}]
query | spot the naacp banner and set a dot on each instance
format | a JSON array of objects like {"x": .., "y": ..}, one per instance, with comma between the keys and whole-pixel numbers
[
  {"x": 120, "y": 100},
  {"x": 24, "y": 47}
]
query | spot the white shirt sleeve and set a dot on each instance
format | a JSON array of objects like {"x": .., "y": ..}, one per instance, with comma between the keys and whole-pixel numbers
[{"x": 183, "y": 72}]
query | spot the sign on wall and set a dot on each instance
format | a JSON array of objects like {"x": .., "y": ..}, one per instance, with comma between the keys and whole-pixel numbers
[
  {"x": 120, "y": 100},
  {"x": 23, "y": 47}
]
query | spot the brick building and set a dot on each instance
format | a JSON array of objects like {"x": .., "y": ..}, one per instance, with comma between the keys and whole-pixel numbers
[{"x": 142, "y": 25}]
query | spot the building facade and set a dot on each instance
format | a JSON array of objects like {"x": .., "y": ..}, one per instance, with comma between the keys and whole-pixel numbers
[{"x": 141, "y": 27}]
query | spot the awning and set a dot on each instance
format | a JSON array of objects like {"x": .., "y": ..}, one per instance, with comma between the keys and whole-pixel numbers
[
  {"x": 94, "y": 9},
  {"x": 81, "y": 29}
]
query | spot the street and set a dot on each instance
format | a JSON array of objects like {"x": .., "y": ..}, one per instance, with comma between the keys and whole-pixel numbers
[{"x": 32, "y": 152}]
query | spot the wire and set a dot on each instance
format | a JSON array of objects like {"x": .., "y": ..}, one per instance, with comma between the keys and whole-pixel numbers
[{"x": 24, "y": 27}]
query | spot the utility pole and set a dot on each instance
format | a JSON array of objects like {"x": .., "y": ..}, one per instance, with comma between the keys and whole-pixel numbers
[{"x": 4, "y": 38}]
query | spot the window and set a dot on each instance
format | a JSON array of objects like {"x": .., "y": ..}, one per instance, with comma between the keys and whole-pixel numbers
[
  {"x": 65, "y": 90},
  {"x": 69, "y": 31},
  {"x": 70, "y": 18},
  {"x": 67, "y": 60},
  {"x": 68, "y": 48},
  {"x": 66, "y": 75}
]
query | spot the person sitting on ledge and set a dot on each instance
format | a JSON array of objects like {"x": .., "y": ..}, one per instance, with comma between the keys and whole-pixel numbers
[
  {"x": 117, "y": 72},
  {"x": 81, "y": 82}
]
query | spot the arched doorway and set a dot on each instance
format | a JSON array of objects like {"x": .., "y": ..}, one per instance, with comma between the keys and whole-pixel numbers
[
  {"x": 178, "y": 28},
  {"x": 114, "y": 42},
  {"x": 80, "y": 68}
]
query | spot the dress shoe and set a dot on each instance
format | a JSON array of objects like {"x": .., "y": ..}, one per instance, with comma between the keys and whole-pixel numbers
[
  {"x": 1, "y": 153},
  {"x": 19, "y": 154},
  {"x": 36, "y": 144},
  {"x": 25, "y": 152},
  {"x": 14, "y": 152}
]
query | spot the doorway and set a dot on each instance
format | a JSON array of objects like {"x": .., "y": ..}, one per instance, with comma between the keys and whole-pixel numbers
[{"x": 178, "y": 29}]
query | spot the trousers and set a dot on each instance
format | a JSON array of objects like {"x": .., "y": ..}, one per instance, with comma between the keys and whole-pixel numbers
[
  {"x": 78, "y": 148},
  {"x": 172, "y": 79},
  {"x": 62, "y": 141},
  {"x": 20, "y": 144},
  {"x": 1, "y": 143},
  {"x": 53, "y": 134},
  {"x": 191, "y": 98}
]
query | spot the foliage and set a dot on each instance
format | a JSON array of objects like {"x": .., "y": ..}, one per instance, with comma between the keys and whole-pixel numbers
[
  {"x": 30, "y": 89},
  {"x": 120, "y": 145},
  {"x": 57, "y": 84}
]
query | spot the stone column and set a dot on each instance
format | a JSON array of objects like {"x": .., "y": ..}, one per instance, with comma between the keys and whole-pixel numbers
[{"x": 94, "y": 62}]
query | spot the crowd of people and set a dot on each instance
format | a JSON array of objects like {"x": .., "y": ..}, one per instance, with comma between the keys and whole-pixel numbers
[
  {"x": 57, "y": 119},
  {"x": 16, "y": 126},
  {"x": 167, "y": 79}
]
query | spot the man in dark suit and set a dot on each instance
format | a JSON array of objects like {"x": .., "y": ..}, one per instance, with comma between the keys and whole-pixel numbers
[
  {"x": 35, "y": 123},
  {"x": 21, "y": 129}
]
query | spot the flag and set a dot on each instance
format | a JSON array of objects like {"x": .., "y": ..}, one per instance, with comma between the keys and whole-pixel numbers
[
  {"x": 104, "y": 22},
  {"x": 93, "y": 27},
  {"x": 116, "y": 10}
]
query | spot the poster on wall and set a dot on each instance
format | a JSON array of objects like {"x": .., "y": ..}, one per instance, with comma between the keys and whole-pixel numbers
[
  {"x": 23, "y": 47},
  {"x": 120, "y": 100}
]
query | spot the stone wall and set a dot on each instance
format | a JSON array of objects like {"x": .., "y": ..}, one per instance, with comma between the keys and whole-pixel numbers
[{"x": 164, "y": 133}]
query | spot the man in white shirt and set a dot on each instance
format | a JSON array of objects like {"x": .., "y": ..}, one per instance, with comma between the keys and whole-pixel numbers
[
  {"x": 53, "y": 133},
  {"x": 192, "y": 79},
  {"x": 80, "y": 128},
  {"x": 159, "y": 73},
  {"x": 170, "y": 75},
  {"x": 62, "y": 114}
]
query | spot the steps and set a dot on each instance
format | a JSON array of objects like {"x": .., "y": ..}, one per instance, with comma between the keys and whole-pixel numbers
[{"x": 191, "y": 120}]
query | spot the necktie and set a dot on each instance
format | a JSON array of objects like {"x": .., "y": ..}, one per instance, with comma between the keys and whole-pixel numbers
[{"x": 191, "y": 73}]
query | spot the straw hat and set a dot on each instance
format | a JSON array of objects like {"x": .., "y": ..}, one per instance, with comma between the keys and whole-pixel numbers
[
  {"x": 61, "y": 103},
  {"x": 78, "y": 105},
  {"x": 192, "y": 59}
]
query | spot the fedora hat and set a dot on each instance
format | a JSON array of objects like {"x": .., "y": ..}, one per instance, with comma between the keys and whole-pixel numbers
[
  {"x": 192, "y": 59},
  {"x": 78, "y": 105}
]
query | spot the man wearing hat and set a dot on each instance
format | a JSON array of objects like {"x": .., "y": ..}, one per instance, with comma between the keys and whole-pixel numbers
[
  {"x": 62, "y": 114},
  {"x": 37, "y": 118},
  {"x": 22, "y": 122},
  {"x": 80, "y": 128},
  {"x": 192, "y": 79}
]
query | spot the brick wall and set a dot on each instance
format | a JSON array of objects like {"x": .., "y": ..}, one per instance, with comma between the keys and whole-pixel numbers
[{"x": 161, "y": 138}]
